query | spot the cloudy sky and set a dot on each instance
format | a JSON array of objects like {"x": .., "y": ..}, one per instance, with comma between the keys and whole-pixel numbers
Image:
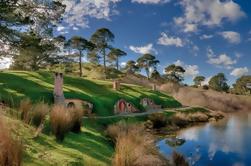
[{"x": 204, "y": 36}]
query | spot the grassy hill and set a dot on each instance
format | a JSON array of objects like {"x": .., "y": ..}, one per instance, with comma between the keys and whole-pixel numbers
[{"x": 15, "y": 85}]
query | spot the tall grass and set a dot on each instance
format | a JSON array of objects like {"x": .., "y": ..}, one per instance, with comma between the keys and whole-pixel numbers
[
  {"x": 39, "y": 112},
  {"x": 179, "y": 160},
  {"x": 134, "y": 146},
  {"x": 60, "y": 119},
  {"x": 10, "y": 149},
  {"x": 25, "y": 108},
  {"x": 76, "y": 119}
]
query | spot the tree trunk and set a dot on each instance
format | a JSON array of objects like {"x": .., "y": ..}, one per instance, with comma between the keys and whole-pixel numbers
[
  {"x": 147, "y": 73},
  {"x": 80, "y": 64},
  {"x": 117, "y": 63},
  {"x": 104, "y": 57}
]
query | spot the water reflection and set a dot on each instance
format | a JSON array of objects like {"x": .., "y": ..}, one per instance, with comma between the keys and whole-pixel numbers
[{"x": 226, "y": 142}]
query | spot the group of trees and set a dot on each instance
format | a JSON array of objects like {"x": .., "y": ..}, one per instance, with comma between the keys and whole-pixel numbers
[
  {"x": 26, "y": 33},
  {"x": 219, "y": 83},
  {"x": 26, "y": 28}
]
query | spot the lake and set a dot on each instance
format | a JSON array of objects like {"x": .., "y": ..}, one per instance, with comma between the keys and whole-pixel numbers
[{"x": 223, "y": 143}]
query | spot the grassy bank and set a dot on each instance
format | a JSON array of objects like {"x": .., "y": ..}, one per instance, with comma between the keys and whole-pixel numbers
[
  {"x": 15, "y": 85},
  {"x": 90, "y": 147}
]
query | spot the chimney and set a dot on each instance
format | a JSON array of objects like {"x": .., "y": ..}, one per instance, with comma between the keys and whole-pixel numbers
[{"x": 58, "y": 88}]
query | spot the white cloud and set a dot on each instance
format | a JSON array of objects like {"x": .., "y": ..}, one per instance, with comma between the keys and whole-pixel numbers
[
  {"x": 220, "y": 60},
  {"x": 75, "y": 28},
  {"x": 231, "y": 36},
  {"x": 204, "y": 37},
  {"x": 144, "y": 49},
  {"x": 60, "y": 28},
  {"x": 191, "y": 70},
  {"x": 206, "y": 82},
  {"x": 123, "y": 64},
  {"x": 77, "y": 12},
  {"x": 207, "y": 13},
  {"x": 170, "y": 41},
  {"x": 238, "y": 72},
  {"x": 151, "y": 1},
  {"x": 5, "y": 63}
]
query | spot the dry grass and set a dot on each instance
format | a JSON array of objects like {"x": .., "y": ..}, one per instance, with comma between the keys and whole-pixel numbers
[
  {"x": 25, "y": 108},
  {"x": 158, "y": 120},
  {"x": 208, "y": 98},
  {"x": 179, "y": 160},
  {"x": 184, "y": 119},
  {"x": 180, "y": 119},
  {"x": 134, "y": 146},
  {"x": 76, "y": 119},
  {"x": 39, "y": 112},
  {"x": 60, "y": 119},
  {"x": 10, "y": 149}
]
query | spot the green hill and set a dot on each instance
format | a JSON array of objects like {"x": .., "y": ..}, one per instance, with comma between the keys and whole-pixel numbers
[{"x": 15, "y": 85}]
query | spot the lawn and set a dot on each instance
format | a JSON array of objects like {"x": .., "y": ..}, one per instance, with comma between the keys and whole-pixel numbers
[{"x": 15, "y": 85}]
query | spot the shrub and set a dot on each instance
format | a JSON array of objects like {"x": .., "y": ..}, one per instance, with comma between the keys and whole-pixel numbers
[
  {"x": 76, "y": 119},
  {"x": 205, "y": 87},
  {"x": 158, "y": 119},
  {"x": 10, "y": 149},
  {"x": 179, "y": 160},
  {"x": 39, "y": 112},
  {"x": 134, "y": 146},
  {"x": 25, "y": 108},
  {"x": 180, "y": 119},
  {"x": 60, "y": 120}
]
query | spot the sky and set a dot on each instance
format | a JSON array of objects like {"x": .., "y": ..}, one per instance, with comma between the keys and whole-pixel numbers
[{"x": 204, "y": 36}]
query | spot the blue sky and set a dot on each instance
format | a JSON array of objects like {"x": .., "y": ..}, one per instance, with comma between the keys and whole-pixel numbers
[{"x": 204, "y": 36}]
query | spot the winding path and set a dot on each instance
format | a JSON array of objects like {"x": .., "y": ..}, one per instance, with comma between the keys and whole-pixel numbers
[{"x": 138, "y": 114}]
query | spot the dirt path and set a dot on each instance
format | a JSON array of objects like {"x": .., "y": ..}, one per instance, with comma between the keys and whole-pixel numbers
[{"x": 138, "y": 114}]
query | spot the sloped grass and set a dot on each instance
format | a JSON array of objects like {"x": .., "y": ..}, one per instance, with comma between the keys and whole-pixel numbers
[
  {"x": 15, "y": 85},
  {"x": 90, "y": 147}
]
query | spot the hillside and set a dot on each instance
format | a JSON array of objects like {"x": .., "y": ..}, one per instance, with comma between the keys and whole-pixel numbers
[{"x": 15, "y": 85}]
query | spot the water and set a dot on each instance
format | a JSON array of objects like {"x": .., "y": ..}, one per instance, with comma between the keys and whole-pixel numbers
[{"x": 223, "y": 143}]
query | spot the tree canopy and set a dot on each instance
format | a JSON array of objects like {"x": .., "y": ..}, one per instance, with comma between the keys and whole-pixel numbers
[
  {"x": 102, "y": 38},
  {"x": 243, "y": 85},
  {"x": 147, "y": 61},
  {"x": 81, "y": 45},
  {"x": 174, "y": 73},
  {"x": 219, "y": 83},
  {"x": 198, "y": 79},
  {"x": 114, "y": 56}
]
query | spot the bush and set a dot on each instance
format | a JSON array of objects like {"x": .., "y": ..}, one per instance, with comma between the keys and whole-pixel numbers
[
  {"x": 158, "y": 119},
  {"x": 179, "y": 160},
  {"x": 11, "y": 149},
  {"x": 25, "y": 108},
  {"x": 60, "y": 120},
  {"x": 180, "y": 119},
  {"x": 134, "y": 146},
  {"x": 39, "y": 112},
  {"x": 205, "y": 87},
  {"x": 76, "y": 119}
]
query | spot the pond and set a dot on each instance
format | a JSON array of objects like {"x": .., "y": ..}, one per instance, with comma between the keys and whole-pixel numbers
[{"x": 223, "y": 143}]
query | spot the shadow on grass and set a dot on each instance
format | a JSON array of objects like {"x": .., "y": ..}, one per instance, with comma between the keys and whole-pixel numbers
[{"x": 90, "y": 144}]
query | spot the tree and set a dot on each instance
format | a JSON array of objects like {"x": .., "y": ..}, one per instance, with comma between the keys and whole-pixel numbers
[
  {"x": 18, "y": 18},
  {"x": 219, "y": 83},
  {"x": 174, "y": 73},
  {"x": 198, "y": 79},
  {"x": 114, "y": 55},
  {"x": 81, "y": 45},
  {"x": 243, "y": 85},
  {"x": 102, "y": 39},
  {"x": 35, "y": 52},
  {"x": 131, "y": 67},
  {"x": 155, "y": 75},
  {"x": 147, "y": 61}
]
